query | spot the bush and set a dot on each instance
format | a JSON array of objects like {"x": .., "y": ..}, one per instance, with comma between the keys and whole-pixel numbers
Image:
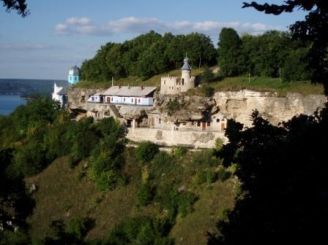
[
  {"x": 206, "y": 176},
  {"x": 179, "y": 151},
  {"x": 207, "y": 75},
  {"x": 173, "y": 106},
  {"x": 164, "y": 164},
  {"x": 146, "y": 151},
  {"x": 176, "y": 202},
  {"x": 30, "y": 159},
  {"x": 208, "y": 91},
  {"x": 223, "y": 174},
  {"x": 145, "y": 194},
  {"x": 77, "y": 227},
  {"x": 140, "y": 230},
  {"x": 204, "y": 158}
]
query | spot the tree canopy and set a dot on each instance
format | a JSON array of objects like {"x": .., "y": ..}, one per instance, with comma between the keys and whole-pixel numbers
[
  {"x": 147, "y": 55},
  {"x": 313, "y": 28}
]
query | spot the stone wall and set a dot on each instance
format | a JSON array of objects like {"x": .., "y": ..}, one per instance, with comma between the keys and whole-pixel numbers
[
  {"x": 240, "y": 105},
  {"x": 172, "y": 137}
]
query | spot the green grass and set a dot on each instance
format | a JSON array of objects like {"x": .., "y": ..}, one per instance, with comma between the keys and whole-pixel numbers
[
  {"x": 211, "y": 206},
  {"x": 266, "y": 84},
  {"x": 261, "y": 84},
  {"x": 135, "y": 81}
]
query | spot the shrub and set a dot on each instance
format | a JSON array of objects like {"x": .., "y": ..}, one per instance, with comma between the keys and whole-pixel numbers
[
  {"x": 176, "y": 202},
  {"x": 207, "y": 75},
  {"x": 146, "y": 151},
  {"x": 77, "y": 227},
  {"x": 179, "y": 151},
  {"x": 145, "y": 194},
  {"x": 140, "y": 230},
  {"x": 204, "y": 158},
  {"x": 223, "y": 174},
  {"x": 208, "y": 91},
  {"x": 206, "y": 176},
  {"x": 173, "y": 106},
  {"x": 218, "y": 143}
]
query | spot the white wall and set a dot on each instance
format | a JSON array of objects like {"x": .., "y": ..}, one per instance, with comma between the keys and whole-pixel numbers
[
  {"x": 145, "y": 101},
  {"x": 94, "y": 99}
]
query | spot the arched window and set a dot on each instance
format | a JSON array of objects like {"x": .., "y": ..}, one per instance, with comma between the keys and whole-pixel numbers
[{"x": 182, "y": 80}]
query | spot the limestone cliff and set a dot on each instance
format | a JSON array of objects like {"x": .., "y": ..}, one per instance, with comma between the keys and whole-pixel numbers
[
  {"x": 240, "y": 105},
  {"x": 237, "y": 105}
]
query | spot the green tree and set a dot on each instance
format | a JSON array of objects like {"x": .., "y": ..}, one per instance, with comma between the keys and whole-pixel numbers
[
  {"x": 296, "y": 67},
  {"x": 313, "y": 28},
  {"x": 230, "y": 52}
]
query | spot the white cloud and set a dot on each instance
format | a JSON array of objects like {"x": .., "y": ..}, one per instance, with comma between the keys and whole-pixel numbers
[{"x": 134, "y": 25}]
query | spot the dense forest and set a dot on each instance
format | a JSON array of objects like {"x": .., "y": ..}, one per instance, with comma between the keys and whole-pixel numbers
[
  {"x": 272, "y": 54},
  {"x": 147, "y": 55}
]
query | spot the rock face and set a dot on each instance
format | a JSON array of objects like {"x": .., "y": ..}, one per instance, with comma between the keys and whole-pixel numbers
[
  {"x": 196, "y": 121},
  {"x": 240, "y": 105}
]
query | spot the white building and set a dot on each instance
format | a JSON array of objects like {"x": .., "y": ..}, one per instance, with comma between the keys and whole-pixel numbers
[
  {"x": 96, "y": 98},
  {"x": 130, "y": 95},
  {"x": 176, "y": 85},
  {"x": 59, "y": 94},
  {"x": 73, "y": 75}
]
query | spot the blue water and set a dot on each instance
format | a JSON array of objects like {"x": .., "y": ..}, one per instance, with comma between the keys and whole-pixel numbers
[{"x": 8, "y": 103}]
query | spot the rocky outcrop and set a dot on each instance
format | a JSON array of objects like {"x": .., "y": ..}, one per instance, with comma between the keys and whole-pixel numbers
[
  {"x": 240, "y": 105},
  {"x": 187, "y": 107}
]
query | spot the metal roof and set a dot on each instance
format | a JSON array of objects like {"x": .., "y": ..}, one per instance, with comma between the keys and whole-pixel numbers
[
  {"x": 186, "y": 65},
  {"x": 129, "y": 91},
  {"x": 75, "y": 70}
]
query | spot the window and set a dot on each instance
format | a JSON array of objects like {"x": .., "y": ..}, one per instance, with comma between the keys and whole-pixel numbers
[
  {"x": 182, "y": 81},
  {"x": 218, "y": 120},
  {"x": 208, "y": 124},
  {"x": 198, "y": 124},
  {"x": 159, "y": 120}
]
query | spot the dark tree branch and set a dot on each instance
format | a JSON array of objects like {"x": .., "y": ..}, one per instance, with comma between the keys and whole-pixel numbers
[{"x": 19, "y": 5}]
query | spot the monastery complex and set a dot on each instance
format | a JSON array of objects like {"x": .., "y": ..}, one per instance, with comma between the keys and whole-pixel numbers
[{"x": 168, "y": 117}]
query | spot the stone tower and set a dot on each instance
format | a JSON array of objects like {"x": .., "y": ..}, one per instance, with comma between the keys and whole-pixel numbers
[
  {"x": 73, "y": 75},
  {"x": 187, "y": 81},
  {"x": 177, "y": 85}
]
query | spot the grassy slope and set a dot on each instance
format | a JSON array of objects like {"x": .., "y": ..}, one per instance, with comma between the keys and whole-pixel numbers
[
  {"x": 227, "y": 84},
  {"x": 63, "y": 194},
  {"x": 135, "y": 81},
  {"x": 267, "y": 84},
  {"x": 210, "y": 207}
]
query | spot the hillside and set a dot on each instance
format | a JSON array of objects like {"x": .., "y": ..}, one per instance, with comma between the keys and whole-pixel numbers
[{"x": 64, "y": 193}]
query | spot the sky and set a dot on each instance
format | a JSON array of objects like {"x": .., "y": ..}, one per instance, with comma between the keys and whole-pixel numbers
[{"x": 58, "y": 34}]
